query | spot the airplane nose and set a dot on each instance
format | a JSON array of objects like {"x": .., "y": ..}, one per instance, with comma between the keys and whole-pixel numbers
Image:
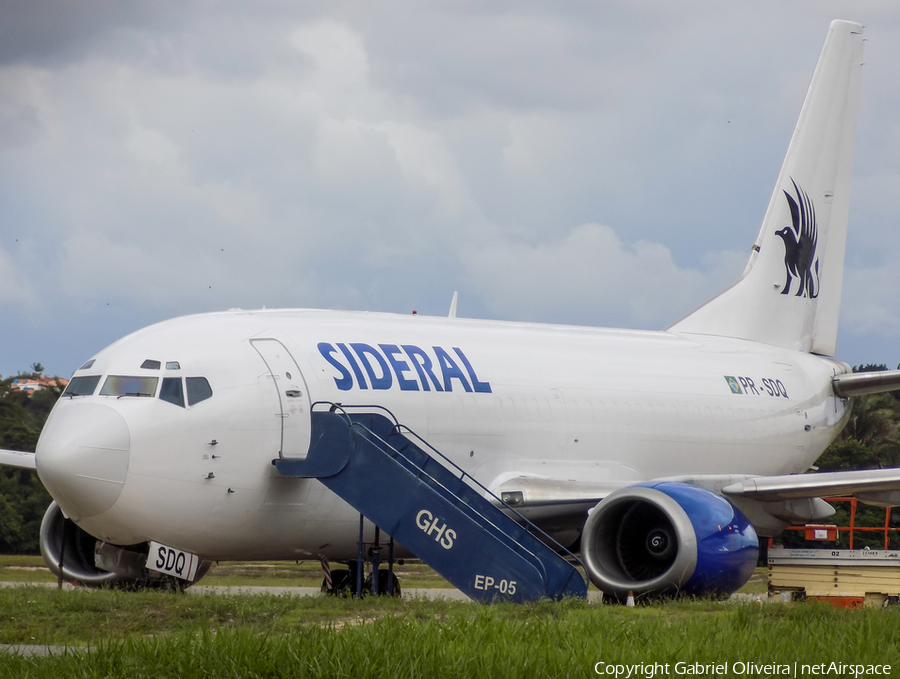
[{"x": 82, "y": 457}]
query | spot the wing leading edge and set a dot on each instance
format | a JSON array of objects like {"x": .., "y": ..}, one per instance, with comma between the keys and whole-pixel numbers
[
  {"x": 857, "y": 384},
  {"x": 872, "y": 486},
  {"x": 792, "y": 498},
  {"x": 17, "y": 458}
]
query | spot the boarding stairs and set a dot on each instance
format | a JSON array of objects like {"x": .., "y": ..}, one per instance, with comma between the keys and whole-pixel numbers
[{"x": 431, "y": 506}]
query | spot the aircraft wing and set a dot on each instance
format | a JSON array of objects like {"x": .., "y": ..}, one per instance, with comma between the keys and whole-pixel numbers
[
  {"x": 857, "y": 384},
  {"x": 16, "y": 458},
  {"x": 561, "y": 502},
  {"x": 558, "y": 506},
  {"x": 552, "y": 504},
  {"x": 872, "y": 486},
  {"x": 537, "y": 491}
]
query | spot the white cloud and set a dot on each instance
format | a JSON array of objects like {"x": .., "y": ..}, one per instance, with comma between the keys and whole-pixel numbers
[
  {"x": 15, "y": 282},
  {"x": 340, "y": 58},
  {"x": 380, "y": 158},
  {"x": 23, "y": 105},
  {"x": 874, "y": 309},
  {"x": 591, "y": 274},
  {"x": 153, "y": 146}
]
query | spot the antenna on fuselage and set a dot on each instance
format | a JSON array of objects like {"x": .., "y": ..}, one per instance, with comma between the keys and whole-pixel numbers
[{"x": 453, "y": 301}]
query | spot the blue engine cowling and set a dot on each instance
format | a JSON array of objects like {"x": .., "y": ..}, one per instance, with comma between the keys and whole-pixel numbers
[{"x": 668, "y": 538}]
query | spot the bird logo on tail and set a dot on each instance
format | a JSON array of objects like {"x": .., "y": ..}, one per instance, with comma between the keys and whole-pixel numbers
[{"x": 800, "y": 240}]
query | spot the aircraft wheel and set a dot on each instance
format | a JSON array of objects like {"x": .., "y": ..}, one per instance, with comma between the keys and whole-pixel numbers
[
  {"x": 384, "y": 579},
  {"x": 341, "y": 583}
]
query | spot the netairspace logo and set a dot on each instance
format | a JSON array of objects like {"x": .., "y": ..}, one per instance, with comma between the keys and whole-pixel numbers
[{"x": 739, "y": 669}]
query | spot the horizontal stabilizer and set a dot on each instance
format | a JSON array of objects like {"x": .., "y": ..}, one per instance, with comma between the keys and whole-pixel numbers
[
  {"x": 857, "y": 384},
  {"x": 16, "y": 458}
]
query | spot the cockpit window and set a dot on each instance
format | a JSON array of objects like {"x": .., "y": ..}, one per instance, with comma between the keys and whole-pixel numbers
[
  {"x": 172, "y": 391},
  {"x": 88, "y": 364},
  {"x": 82, "y": 386},
  {"x": 124, "y": 385},
  {"x": 198, "y": 389},
  {"x": 150, "y": 364}
]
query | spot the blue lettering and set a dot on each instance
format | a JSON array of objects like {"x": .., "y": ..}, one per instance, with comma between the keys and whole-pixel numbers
[
  {"x": 345, "y": 383},
  {"x": 400, "y": 366},
  {"x": 483, "y": 387},
  {"x": 362, "y": 350},
  {"x": 422, "y": 363},
  {"x": 450, "y": 370},
  {"x": 360, "y": 380},
  {"x": 400, "y": 362}
]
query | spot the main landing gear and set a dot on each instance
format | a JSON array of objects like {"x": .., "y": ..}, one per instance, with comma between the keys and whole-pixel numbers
[{"x": 365, "y": 575}]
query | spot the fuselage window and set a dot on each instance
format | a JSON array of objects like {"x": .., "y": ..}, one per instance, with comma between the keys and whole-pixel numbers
[
  {"x": 82, "y": 386},
  {"x": 198, "y": 389},
  {"x": 125, "y": 385},
  {"x": 172, "y": 391}
]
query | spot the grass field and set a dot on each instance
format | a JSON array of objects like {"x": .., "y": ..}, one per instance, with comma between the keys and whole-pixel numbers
[
  {"x": 153, "y": 634},
  {"x": 412, "y": 574}
]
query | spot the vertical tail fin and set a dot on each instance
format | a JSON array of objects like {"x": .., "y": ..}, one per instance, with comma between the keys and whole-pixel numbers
[{"x": 790, "y": 291}]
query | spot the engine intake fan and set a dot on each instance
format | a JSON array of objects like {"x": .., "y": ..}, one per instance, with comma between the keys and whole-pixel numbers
[{"x": 668, "y": 538}]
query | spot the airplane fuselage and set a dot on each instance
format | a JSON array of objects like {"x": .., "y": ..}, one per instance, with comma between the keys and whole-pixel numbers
[{"x": 502, "y": 400}]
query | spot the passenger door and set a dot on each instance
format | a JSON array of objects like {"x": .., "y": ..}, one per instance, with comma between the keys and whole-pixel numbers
[{"x": 293, "y": 397}]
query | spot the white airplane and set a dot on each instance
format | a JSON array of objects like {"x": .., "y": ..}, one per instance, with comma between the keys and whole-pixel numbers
[{"x": 659, "y": 455}]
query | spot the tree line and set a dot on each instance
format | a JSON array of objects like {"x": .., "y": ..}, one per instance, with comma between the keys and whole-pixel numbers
[{"x": 23, "y": 499}]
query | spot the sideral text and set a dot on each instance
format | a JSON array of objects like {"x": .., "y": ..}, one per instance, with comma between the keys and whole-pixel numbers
[{"x": 407, "y": 366}]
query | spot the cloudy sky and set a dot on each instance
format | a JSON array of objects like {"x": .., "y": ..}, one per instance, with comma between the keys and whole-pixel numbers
[{"x": 602, "y": 163}]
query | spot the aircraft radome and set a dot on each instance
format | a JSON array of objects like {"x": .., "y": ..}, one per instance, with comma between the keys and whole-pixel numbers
[{"x": 660, "y": 456}]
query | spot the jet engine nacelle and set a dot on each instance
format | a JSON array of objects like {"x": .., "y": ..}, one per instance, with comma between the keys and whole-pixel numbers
[
  {"x": 668, "y": 538},
  {"x": 88, "y": 561}
]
